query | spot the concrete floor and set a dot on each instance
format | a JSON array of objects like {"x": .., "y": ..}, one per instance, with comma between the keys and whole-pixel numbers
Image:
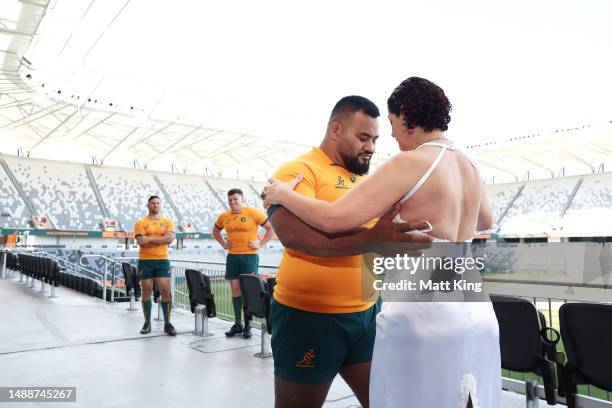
[{"x": 78, "y": 341}]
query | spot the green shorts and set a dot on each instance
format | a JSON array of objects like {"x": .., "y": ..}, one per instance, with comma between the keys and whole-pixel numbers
[
  {"x": 311, "y": 348},
  {"x": 237, "y": 264},
  {"x": 153, "y": 268}
]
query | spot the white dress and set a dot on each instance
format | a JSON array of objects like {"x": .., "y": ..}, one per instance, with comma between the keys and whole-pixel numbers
[{"x": 436, "y": 354}]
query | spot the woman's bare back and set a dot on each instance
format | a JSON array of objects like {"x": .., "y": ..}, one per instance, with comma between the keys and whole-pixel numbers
[{"x": 449, "y": 199}]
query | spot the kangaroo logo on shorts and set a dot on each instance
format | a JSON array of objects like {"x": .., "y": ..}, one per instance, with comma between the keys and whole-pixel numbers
[{"x": 307, "y": 360}]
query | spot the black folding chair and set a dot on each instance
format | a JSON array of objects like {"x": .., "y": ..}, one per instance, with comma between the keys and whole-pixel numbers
[
  {"x": 38, "y": 268},
  {"x": 98, "y": 291},
  {"x": 90, "y": 287},
  {"x": 271, "y": 282},
  {"x": 200, "y": 293},
  {"x": 526, "y": 345},
  {"x": 69, "y": 280},
  {"x": 128, "y": 276},
  {"x": 55, "y": 273},
  {"x": 586, "y": 330},
  {"x": 82, "y": 284},
  {"x": 201, "y": 299},
  {"x": 254, "y": 294},
  {"x": 136, "y": 282},
  {"x": 257, "y": 303}
]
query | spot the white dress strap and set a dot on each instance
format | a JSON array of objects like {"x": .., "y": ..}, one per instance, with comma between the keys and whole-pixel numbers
[
  {"x": 449, "y": 147},
  {"x": 443, "y": 145},
  {"x": 433, "y": 166}
]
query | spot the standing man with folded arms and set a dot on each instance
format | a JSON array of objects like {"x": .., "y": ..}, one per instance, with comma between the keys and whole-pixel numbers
[{"x": 154, "y": 233}]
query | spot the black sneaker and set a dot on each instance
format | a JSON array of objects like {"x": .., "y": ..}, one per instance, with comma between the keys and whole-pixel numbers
[
  {"x": 169, "y": 329},
  {"x": 246, "y": 333},
  {"x": 235, "y": 329},
  {"x": 146, "y": 329}
]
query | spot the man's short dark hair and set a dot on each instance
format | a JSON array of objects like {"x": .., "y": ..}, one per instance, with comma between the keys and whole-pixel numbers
[
  {"x": 354, "y": 103},
  {"x": 235, "y": 191},
  {"x": 422, "y": 103},
  {"x": 153, "y": 197}
]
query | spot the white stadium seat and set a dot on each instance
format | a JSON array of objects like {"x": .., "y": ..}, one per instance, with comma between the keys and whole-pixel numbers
[
  {"x": 14, "y": 212},
  {"x": 59, "y": 190},
  {"x": 193, "y": 198},
  {"x": 63, "y": 192},
  {"x": 125, "y": 193}
]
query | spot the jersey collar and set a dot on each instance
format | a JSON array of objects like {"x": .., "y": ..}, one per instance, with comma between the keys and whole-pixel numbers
[{"x": 325, "y": 157}]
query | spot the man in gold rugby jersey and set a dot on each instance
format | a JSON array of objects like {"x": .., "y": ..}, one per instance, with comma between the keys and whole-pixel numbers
[
  {"x": 241, "y": 224},
  {"x": 154, "y": 233},
  {"x": 321, "y": 324}
]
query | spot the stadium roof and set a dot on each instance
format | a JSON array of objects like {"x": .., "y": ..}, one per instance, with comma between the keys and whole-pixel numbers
[
  {"x": 45, "y": 113},
  {"x": 581, "y": 150},
  {"x": 57, "y": 122}
]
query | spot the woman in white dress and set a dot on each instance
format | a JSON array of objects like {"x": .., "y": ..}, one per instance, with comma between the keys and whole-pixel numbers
[{"x": 435, "y": 354}]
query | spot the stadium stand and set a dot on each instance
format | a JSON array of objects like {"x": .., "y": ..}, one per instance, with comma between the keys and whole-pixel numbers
[
  {"x": 193, "y": 198},
  {"x": 538, "y": 209},
  {"x": 59, "y": 190},
  {"x": 258, "y": 188},
  {"x": 501, "y": 196},
  {"x": 590, "y": 211},
  {"x": 563, "y": 206},
  {"x": 14, "y": 212},
  {"x": 251, "y": 193},
  {"x": 125, "y": 193}
]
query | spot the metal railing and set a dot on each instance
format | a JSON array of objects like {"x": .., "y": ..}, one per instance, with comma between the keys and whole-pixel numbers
[
  {"x": 104, "y": 276},
  {"x": 67, "y": 265},
  {"x": 582, "y": 401}
]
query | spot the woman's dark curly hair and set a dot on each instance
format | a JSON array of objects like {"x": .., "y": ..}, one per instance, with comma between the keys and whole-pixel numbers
[{"x": 422, "y": 103}]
